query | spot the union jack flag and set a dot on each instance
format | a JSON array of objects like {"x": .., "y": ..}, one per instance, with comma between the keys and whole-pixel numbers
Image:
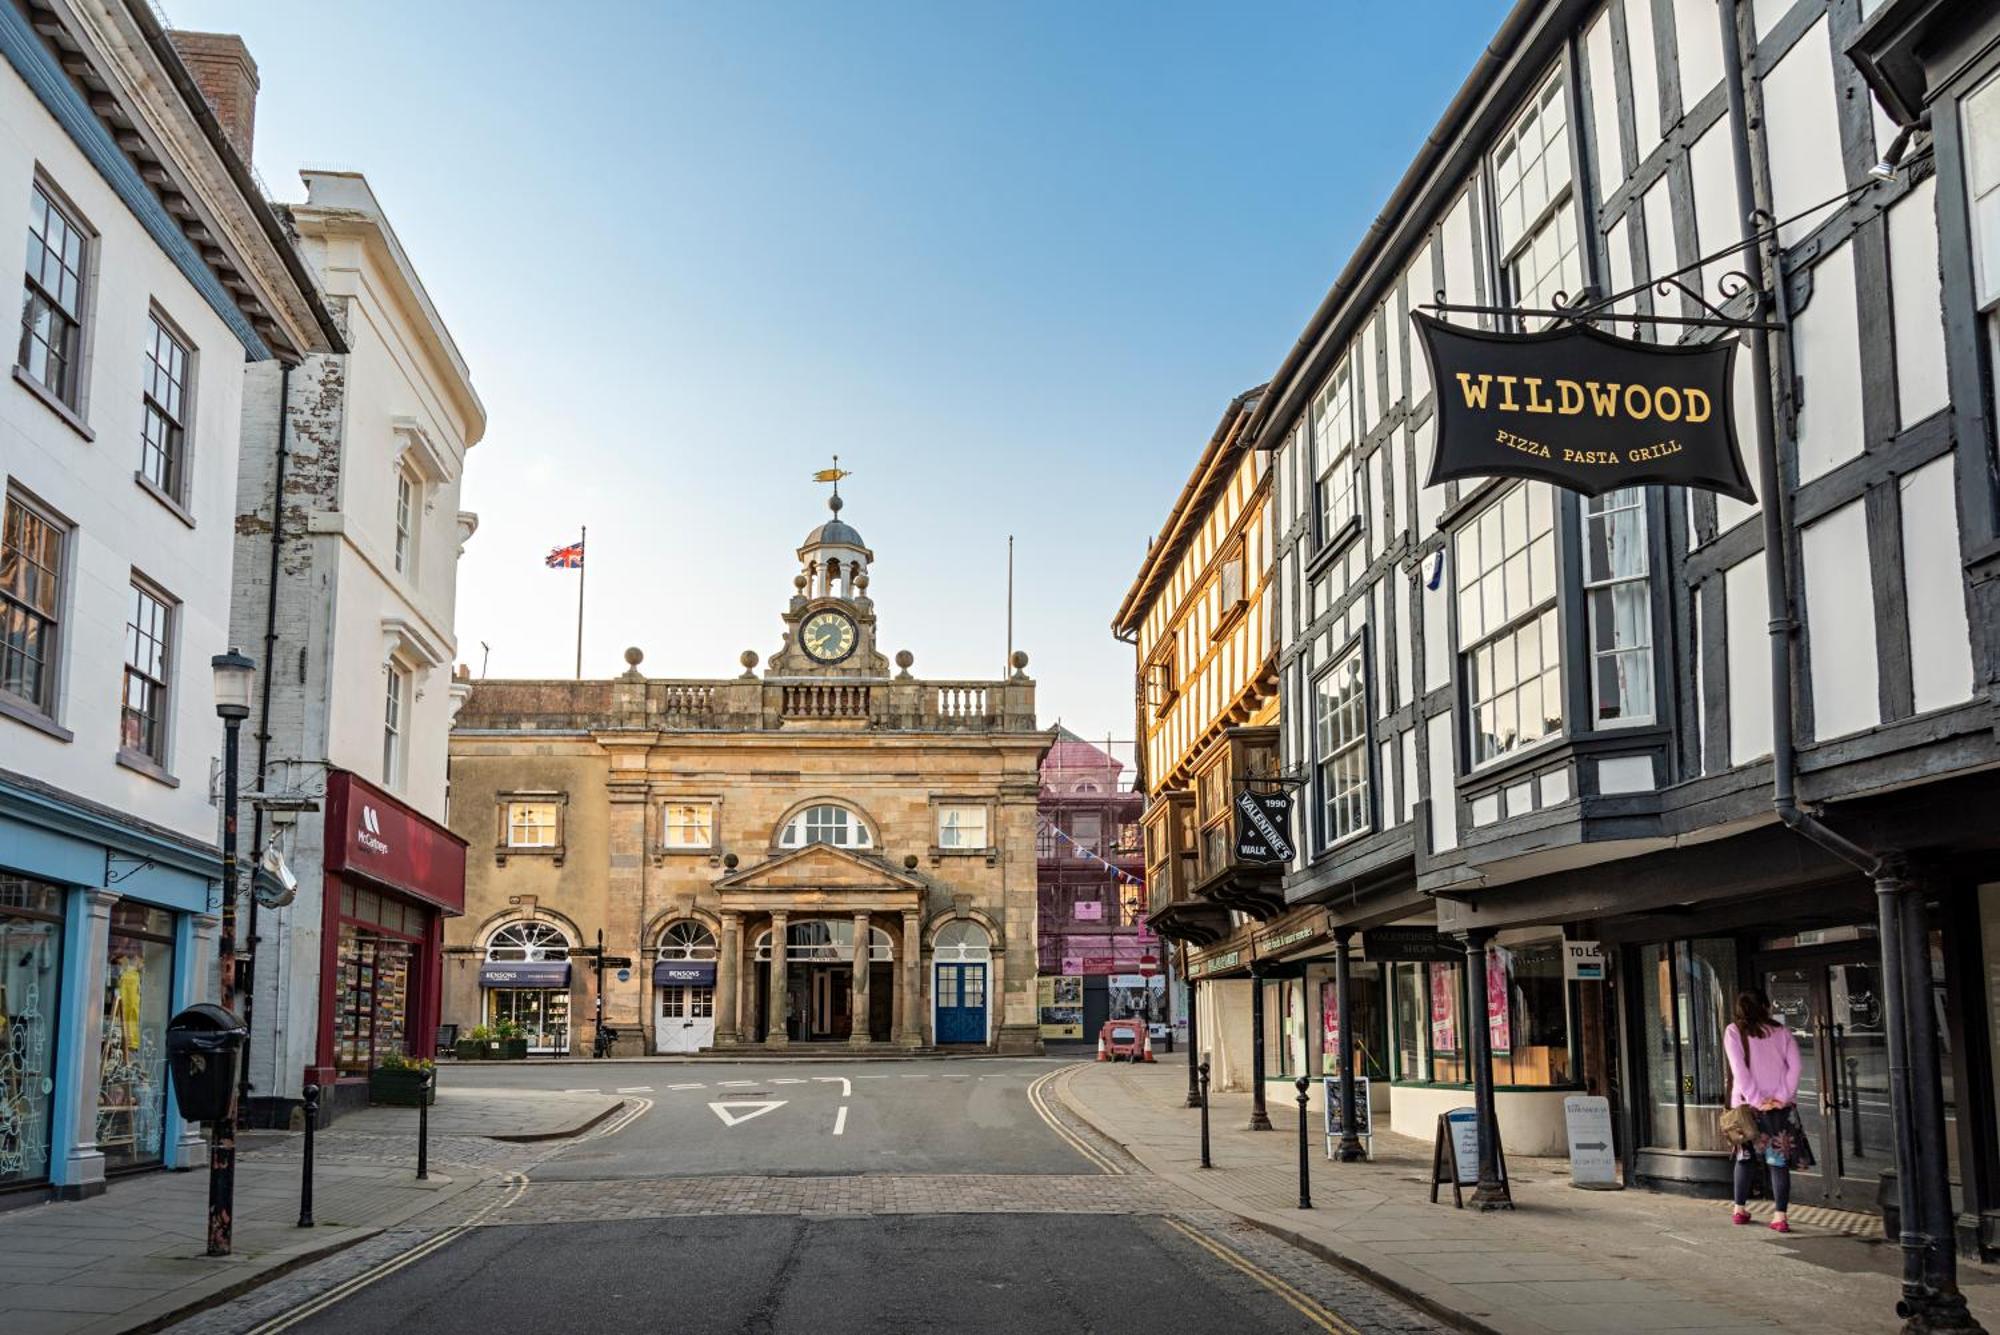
[{"x": 567, "y": 558}]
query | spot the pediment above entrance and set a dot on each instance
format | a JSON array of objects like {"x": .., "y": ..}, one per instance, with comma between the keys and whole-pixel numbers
[{"x": 822, "y": 875}]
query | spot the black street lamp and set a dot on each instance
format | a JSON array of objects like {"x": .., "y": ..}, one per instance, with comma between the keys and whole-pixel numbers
[{"x": 234, "y": 673}]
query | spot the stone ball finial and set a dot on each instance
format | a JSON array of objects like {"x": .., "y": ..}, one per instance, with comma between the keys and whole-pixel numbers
[
  {"x": 634, "y": 656},
  {"x": 834, "y": 503},
  {"x": 748, "y": 658},
  {"x": 799, "y": 582},
  {"x": 861, "y": 581},
  {"x": 730, "y": 860},
  {"x": 1020, "y": 660},
  {"x": 904, "y": 658},
  {"x": 909, "y": 861}
]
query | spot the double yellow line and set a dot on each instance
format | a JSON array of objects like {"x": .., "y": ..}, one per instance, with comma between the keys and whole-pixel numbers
[
  {"x": 1308, "y": 1307},
  {"x": 1039, "y": 1103},
  {"x": 517, "y": 1182}
]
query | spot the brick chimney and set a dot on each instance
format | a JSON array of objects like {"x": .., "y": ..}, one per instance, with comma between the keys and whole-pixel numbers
[{"x": 222, "y": 66}]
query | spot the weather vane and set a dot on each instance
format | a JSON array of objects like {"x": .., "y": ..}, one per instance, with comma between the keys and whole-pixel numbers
[{"x": 833, "y": 475}]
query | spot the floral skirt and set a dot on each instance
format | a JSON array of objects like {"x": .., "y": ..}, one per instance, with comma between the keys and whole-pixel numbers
[{"x": 1780, "y": 1141}]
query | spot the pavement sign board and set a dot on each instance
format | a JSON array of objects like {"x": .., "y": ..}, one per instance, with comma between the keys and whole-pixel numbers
[
  {"x": 1363, "y": 1118},
  {"x": 1593, "y": 1163}
]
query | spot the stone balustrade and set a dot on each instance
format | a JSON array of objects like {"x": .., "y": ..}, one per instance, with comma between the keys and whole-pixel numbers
[{"x": 748, "y": 704}]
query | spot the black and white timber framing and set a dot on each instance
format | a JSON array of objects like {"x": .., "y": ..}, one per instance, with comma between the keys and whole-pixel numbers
[{"x": 1883, "y": 393}]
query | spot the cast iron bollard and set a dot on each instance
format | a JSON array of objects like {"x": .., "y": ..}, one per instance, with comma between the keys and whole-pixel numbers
[
  {"x": 1204, "y": 1114},
  {"x": 424, "y": 1125},
  {"x": 306, "y": 1169},
  {"x": 1305, "y": 1159}
]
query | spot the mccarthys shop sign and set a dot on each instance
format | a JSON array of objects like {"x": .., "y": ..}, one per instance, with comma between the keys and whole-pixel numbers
[{"x": 1583, "y": 409}]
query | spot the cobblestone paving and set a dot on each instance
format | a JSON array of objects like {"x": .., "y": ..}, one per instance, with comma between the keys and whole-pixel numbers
[
  {"x": 370, "y": 1147},
  {"x": 1354, "y": 1301}
]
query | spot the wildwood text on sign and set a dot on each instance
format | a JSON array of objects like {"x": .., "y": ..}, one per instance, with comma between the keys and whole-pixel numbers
[{"x": 1583, "y": 409}]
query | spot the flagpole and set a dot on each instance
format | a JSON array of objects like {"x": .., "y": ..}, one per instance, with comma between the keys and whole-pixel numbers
[
  {"x": 582, "y": 569},
  {"x": 1008, "y": 666}
]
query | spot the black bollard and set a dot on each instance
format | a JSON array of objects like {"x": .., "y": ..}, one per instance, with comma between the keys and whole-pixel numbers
[
  {"x": 424, "y": 1125},
  {"x": 1204, "y": 1114},
  {"x": 306, "y": 1167},
  {"x": 1305, "y": 1159}
]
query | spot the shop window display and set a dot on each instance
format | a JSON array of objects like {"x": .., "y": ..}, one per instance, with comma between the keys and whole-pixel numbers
[
  {"x": 1688, "y": 992},
  {"x": 30, "y": 974},
  {"x": 132, "y": 1068},
  {"x": 1527, "y": 1018},
  {"x": 373, "y": 1018}
]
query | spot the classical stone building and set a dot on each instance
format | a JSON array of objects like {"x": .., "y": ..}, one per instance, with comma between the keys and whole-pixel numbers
[{"x": 729, "y": 843}]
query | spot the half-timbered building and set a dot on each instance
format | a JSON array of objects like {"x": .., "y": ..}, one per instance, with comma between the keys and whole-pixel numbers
[{"x": 1526, "y": 719}]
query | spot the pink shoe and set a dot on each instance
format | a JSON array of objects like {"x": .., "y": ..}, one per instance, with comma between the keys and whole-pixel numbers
[
  {"x": 1780, "y": 1226},
  {"x": 1740, "y": 1217}
]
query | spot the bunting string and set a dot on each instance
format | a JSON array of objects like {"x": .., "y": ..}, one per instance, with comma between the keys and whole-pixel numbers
[{"x": 1124, "y": 877}]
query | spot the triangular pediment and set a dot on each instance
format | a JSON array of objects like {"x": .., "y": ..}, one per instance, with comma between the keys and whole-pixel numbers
[{"x": 821, "y": 866}]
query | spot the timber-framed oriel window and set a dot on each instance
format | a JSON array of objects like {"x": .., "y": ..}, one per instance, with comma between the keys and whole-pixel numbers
[
  {"x": 1534, "y": 204},
  {"x": 1340, "y": 750},
  {"x": 1504, "y": 560},
  {"x": 1336, "y": 509},
  {"x": 1163, "y": 674},
  {"x": 1619, "y": 595}
]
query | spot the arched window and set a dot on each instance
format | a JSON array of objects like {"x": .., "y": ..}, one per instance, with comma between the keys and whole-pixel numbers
[
  {"x": 961, "y": 940},
  {"x": 1086, "y": 786},
  {"x": 826, "y": 940},
  {"x": 825, "y": 823},
  {"x": 527, "y": 941},
  {"x": 687, "y": 941}
]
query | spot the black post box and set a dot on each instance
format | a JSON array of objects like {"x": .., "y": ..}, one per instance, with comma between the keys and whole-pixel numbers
[{"x": 204, "y": 1044}]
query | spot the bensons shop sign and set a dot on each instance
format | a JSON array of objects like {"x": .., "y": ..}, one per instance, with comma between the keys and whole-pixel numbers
[{"x": 1583, "y": 409}]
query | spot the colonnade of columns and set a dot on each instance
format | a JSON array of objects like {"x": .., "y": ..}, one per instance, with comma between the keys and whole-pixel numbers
[{"x": 735, "y": 971}]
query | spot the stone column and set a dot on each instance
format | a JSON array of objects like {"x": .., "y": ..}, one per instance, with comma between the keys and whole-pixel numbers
[
  {"x": 858, "y": 991},
  {"x": 913, "y": 976},
  {"x": 774, "y": 1034},
  {"x": 76, "y": 1165},
  {"x": 728, "y": 962}
]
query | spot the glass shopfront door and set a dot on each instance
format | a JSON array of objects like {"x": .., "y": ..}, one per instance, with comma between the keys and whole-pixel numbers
[
  {"x": 541, "y": 1012},
  {"x": 1834, "y": 1008}
]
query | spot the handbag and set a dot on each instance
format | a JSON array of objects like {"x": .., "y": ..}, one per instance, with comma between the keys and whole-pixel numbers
[{"x": 1739, "y": 1125}]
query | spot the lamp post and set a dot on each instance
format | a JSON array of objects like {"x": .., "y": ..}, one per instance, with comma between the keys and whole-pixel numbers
[{"x": 234, "y": 673}]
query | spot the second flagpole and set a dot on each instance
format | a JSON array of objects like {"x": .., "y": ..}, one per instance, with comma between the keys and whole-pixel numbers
[{"x": 582, "y": 571}]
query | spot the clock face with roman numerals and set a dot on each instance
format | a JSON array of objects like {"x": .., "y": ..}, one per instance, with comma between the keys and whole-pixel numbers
[{"x": 828, "y": 637}]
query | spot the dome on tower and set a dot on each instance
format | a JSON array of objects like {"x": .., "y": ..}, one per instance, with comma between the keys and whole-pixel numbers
[{"x": 835, "y": 532}]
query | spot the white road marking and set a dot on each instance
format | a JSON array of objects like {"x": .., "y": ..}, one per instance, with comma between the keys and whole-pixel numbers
[
  {"x": 955, "y": 1077},
  {"x": 730, "y": 1117},
  {"x": 846, "y": 1090},
  {"x": 916, "y": 1077},
  {"x": 580, "y": 1091},
  {"x": 788, "y": 1080},
  {"x": 735, "y": 1084},
  {"x": 840, "y": 1121},
  {"x": 635, "y": 1089},
  {"x": 696, "y": 1085},
  {"x": 871, "y": 1077}
]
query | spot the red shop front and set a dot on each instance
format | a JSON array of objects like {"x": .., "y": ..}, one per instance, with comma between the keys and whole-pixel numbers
[{"x": 392, "y": 876}]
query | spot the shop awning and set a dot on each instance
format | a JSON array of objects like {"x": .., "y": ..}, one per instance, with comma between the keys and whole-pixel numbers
[
  {"x": 695, "y": 973},
  {"x": 525, "y": 973}
]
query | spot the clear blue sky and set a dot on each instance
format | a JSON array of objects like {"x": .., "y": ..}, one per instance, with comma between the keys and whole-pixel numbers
[{"x": 1010, "y": 261}]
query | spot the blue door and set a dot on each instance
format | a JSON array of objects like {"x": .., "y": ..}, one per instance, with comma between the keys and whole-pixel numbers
[{"x": 961, "y": 1003}]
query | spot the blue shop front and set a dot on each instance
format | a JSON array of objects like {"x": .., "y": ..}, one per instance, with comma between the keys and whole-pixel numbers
[{"x": 105, "y": 927}]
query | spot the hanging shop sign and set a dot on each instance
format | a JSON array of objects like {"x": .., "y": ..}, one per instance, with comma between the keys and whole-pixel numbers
[
  {"x": 1583, "y": 409},
  {"x": 1264, "y": 828}
]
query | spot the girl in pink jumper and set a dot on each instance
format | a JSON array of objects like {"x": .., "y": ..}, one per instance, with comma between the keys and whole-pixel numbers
[{"x": 1764, "y": 1073}]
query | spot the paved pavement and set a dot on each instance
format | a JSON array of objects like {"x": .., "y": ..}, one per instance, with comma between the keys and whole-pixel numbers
[
  {"x": 136, "y": 1253},
  {"x": 1563, "y": 1260}
]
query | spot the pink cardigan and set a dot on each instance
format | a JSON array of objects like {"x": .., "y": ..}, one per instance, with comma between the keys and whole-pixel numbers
[{"x": 1769, "y": 1071}]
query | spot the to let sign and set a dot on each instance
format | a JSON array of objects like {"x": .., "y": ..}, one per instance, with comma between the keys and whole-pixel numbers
[
  {"x": 1583, "y": 409},
  {"x": 1263, "y": 827}
]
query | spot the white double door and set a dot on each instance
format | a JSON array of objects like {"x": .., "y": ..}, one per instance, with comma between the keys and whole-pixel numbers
[{"x": 684, "y": 1019}]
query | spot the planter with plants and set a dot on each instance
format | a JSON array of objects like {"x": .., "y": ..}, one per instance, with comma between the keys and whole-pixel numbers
[
  {"x": 402, "y": 1081},
  {"x": 513, "y": 1040},
  {"x": 478, "y": 1044}
]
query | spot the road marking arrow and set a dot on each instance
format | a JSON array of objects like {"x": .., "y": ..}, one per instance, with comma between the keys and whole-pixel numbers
[{"x": 730, "y": 1117}]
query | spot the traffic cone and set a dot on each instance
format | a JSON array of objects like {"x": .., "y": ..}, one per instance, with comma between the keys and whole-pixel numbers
[
  {"x": 1103, "y": 1054},
  {"x": 1146, "y": 1052}
]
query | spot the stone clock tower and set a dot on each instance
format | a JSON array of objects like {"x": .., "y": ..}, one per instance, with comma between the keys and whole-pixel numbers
[{"x": 830, "y": 625}]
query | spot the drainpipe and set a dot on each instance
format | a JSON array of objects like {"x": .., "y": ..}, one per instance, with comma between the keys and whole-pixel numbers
[
  {"x": 264, "y": 708},
  {"x": 1931, "y": 1301}
]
